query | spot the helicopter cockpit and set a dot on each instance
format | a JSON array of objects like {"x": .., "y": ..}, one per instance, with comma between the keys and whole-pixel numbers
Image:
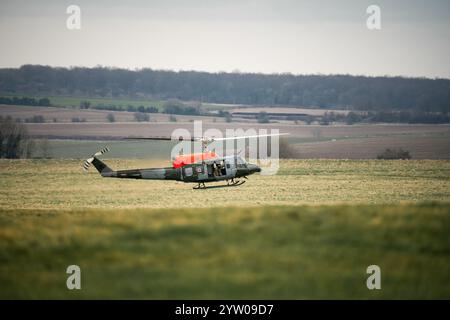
[{"x": 240, "y": 162}]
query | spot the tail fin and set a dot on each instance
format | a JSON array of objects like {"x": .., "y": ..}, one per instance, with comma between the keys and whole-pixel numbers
[{"x": 99, "y": 165}]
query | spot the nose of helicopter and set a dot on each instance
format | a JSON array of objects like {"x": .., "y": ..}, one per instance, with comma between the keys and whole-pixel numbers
[{"x": 252, "y": 168}]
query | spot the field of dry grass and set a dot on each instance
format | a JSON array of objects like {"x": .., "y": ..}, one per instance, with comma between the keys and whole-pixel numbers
[
  {"x": 420, "y": 147},
  {"x": 61, "y": 184}
]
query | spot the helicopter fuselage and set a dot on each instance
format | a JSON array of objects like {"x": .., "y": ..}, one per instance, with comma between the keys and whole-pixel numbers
[{"x": 226, "y": 168}]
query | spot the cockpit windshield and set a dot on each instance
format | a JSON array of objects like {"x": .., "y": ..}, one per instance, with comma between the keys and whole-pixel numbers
[{"x": 240, "y": 160}]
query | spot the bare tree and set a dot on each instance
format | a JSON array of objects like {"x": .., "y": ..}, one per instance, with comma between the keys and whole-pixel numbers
[{"x": 13, "y": 135}]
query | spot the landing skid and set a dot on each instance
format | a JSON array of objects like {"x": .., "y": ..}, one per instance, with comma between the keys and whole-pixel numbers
[{"x": 231, "y": 183}]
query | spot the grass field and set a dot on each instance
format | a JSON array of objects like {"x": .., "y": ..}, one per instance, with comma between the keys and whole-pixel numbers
[
  {"x": 308, "y": 232},
  {"x": 61, "y": 184},
  {"x": 272, "y": 252}
]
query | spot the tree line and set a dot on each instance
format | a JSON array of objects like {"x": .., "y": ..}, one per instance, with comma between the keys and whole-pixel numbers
[
  {"x": 383, "y": 117},
  {"x": 323, "y": 91},
  {"x": 25, "y": 101}
]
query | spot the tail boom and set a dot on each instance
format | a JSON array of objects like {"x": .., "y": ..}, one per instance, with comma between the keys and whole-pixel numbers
[{"x": 168, "y": 173}]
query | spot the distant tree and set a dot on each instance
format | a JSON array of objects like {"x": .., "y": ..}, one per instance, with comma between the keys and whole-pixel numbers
[
  {"x": 85, "y": 105},
  {"x": 172, "y": 118},
  {"x": 309, "y": 119},
  {"x": 44, "y": 102},
  {"x": 174, "y": 106},
  {"x": 141, "y": 117},
  {"x": 392, "y": 154},
  {"x": 152, "y": 109},
  {"x": 35, "y": 119},
  {"x": 325, "y": 120},
  {"x": 13, "y": 137},
  {"x": 352, "y": 118},
  {"x": 110, "y": 117},
  {"x": 286, "y": 150}
]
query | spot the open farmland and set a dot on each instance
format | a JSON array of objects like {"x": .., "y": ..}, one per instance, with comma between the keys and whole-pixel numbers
[
  {"x": 53, "y": 114},
  {"x": 61, "y": 184},
  {"x": 289, "y": 110},
  {"x": 119, "y": 130},
  {"x": 331, "y": 142}
]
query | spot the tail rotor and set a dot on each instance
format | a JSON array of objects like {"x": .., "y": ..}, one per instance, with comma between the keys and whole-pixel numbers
[{"x": 88, "y": 161}]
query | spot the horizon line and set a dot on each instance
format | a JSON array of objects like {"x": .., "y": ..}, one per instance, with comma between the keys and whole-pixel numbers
[{"x": 234, "y": 71}]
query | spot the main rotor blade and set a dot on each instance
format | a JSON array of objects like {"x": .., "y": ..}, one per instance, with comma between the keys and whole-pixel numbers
[
  {"x": 254, "y": 136},
  {"x": 164, "y": 138},
  {"x": 205, "y": 139}
]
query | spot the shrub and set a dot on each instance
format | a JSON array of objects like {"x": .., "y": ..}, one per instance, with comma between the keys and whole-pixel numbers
[
  {"x": 77, "y": 119},
  {"x": 85, "y": 105},
  {"x": 392, "y": 154},
  {"x": 141, "y": 117},
  {"x": 287, "y": 151},
  {"x": 35, "y": 119},
  {"x": 110, "y": 117}
]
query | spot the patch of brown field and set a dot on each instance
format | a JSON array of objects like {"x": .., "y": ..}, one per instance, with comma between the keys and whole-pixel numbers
[
  {"x": 117, "y": 129},
  {"x": 312, "y": 112},
  {"x": 368, "y": 148}
]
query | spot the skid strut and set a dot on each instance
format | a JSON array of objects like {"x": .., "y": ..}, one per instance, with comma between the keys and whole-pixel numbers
[{"x": 231, "y": 183}]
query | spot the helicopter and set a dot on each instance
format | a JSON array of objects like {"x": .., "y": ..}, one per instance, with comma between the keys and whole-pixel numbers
[{"x": 199, "y": 168}]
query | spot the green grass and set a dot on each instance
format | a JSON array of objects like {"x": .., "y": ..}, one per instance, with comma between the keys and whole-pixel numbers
[
  {"x": 308, "y": 232},
  {"x": 290, "y": 252},
  {"x": 75, "y": 101},
  {"x": 71, "y": 101},
  {"x": 68, "y": 101}
]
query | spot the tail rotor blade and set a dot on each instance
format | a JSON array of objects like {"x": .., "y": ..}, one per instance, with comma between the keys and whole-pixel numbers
[
  {"x": 87, "y": 164},
  {"x": 104, "y": 150},
  {"x": 88, "y": 161}
]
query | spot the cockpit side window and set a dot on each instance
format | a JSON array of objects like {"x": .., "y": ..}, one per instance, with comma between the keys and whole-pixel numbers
[{"x": 240, "y": 162}]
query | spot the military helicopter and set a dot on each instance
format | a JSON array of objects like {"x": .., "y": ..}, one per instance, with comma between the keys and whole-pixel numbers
[{"x": 197, "y": 168}]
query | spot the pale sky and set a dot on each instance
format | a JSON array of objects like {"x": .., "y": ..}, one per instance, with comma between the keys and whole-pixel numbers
[{"x": 269, "y": 36}]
